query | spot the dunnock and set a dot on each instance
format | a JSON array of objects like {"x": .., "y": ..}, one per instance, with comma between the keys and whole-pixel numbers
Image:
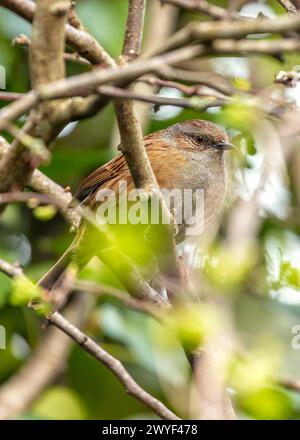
[{"x": 187, "y": 155}]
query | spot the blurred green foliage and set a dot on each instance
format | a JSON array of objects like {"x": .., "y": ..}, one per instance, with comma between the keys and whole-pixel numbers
[{"x": 152, "y": 353}]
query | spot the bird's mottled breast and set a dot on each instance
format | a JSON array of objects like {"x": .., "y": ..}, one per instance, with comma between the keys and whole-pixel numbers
[{"x": 207, "y": 172}]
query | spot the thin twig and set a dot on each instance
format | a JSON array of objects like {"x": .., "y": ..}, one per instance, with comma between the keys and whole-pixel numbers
[
  {"x": 204, "y": 7},
  {"x": 10, "y": 96},
  {"x": 134, "y": 29},
  {"x": 114, "y": 365},
  {"x": 288, "y": 6},
  {"x": 12, "y": 197},
  {"x": 11, "y": 270},
  {"x": 73, "y": 18},
  {"x": 95, "y": 350},
  {"x": 195, "y": 103},
  {"x": 208, "y": 31},
  {"x": 290, "y": 384},
  {"x": 209, "y": 79},
  {"x": 267, "y": 47},
  {"x": 195, "y": 90},
  {"x": 289, "y": 79},
  {"x": 100, "y": 289}
]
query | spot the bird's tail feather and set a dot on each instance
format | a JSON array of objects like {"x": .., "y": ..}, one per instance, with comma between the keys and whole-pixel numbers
[{"x": 55, "y": 276}]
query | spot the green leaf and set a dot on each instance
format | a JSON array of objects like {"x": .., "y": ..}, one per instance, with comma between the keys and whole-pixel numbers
[
  {"x": 45, "y": 213},
  {"x": 24, "y": 292},
  {"x": 289, "y": 275}
]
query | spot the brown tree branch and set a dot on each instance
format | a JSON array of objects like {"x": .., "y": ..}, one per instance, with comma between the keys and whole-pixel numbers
[
  {"x": 209, "y": 31},
  {"x": 118, "y": 262},
  {"x": 209, "y": 79},
  {"x": 132, "y": 144},
  {"x": 204, "y": 7},
  {"x": 48, "y": 40},
  {"x": 290, "y": 384},
  {"x": 134, "y": 30},
  {"x": 10, "y": 96},
  {"x": 289, "y": 79},
  {"x": 288, "y": 6},
  {"x": 194, "y": 103},
  {"x": 100, "y": 289},
  {"x": 73, "y": 18},
  {"x": 267, "y": 47}
]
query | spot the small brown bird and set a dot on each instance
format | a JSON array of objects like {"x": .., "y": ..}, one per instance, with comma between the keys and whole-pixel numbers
[{"x": 187, "y": 155}]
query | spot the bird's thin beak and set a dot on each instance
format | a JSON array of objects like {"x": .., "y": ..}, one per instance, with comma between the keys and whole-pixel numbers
[{"x": 225, "y": 146}]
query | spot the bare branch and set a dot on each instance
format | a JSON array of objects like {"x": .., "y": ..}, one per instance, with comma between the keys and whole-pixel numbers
[
  {"x": 290, "y": 384},
  {"x": 193, "y": 103},
  {"x": 123, "y": 75},
  {"x": 267, "y": 47},
  {"x": 18, "y": 108},
  {"x": 73, "y": 18},
  {"x": 194, "y": 90},
  {"x": 208, "y": 31},
  {"x": 209, "y": 79},
  {"x": 23, "y": 40},
  {"x": 11, "y": 270},
  {"x": 204, "y": 7},
  {"x": 134, "y": 29},
  {"x": 98, "y": 289},
  {"x": 48, "y": 40},
  {"x": 289, "y": 79},
  {"x": 10, "y": 96},
  {"x": 288, "y": 6}
]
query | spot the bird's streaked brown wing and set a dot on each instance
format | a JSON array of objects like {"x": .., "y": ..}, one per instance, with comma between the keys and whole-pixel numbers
[
  {"x": 104, "y": 175},
  {"x": 116, "y": 170}
]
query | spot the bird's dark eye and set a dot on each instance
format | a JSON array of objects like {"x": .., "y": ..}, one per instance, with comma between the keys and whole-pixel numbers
[{"x": 198, "y": 139}]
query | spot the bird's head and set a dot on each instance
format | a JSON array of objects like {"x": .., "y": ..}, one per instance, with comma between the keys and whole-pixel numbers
[{"x": 198, "y": 135}]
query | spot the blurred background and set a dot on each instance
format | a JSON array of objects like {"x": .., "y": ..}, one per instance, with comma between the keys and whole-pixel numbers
[{"x": 249, "y": 261}]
